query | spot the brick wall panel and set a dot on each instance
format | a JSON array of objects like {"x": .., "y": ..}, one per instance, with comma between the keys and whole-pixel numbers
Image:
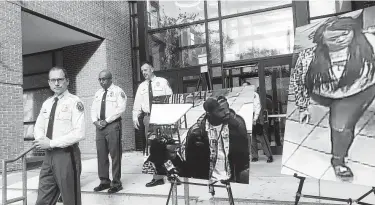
[
  {"x": 109, "y": 20},
  {"x": 11, "y": 105}
]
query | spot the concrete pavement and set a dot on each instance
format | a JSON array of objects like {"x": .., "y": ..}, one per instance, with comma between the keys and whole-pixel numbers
[{"x": 267, "y": 186}]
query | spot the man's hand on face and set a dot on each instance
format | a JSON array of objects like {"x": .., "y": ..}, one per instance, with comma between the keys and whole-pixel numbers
[
  {"x": 98, "y": 125},
  {"x": 42, "y": 143}
]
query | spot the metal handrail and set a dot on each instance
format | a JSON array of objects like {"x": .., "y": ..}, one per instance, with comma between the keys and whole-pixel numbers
[{"x": 24, "y": 178}]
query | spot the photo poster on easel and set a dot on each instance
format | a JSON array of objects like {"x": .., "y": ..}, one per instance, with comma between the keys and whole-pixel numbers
[
  {"x": 329, "y": 133},
  {"x": 209, "y": 136}
]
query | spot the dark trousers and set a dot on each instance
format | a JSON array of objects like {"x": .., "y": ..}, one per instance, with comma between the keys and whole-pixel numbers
[
  {"x": 146, "y": 122},
  {"x": 343, "y": 116},
  {"x": 60, "y": 173},
  {"x": 108, "y": 141},
  {"x": 258, "y": 133}
]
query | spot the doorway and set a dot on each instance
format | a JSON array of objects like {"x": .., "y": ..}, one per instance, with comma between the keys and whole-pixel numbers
[{"x": 270, "y": 76}]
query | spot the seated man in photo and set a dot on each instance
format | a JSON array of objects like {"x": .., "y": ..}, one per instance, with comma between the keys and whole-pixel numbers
[
  {"x": 217, "y": 145},
  {"x": 163, "y": 157}
]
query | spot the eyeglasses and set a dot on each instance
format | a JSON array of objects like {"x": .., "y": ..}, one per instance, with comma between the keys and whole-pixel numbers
[
  {"x": 54, "y": 80},
  {"x": 103, "y": 79}
]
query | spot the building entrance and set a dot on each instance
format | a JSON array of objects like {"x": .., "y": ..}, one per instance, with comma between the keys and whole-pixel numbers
[{"x": 271, "y": 79}]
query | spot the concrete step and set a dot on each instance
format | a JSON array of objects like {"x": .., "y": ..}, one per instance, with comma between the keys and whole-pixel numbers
[{"x": 102, "y": 198}]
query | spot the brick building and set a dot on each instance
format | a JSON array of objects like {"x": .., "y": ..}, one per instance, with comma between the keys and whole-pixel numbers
[
  {"x": 85, "y": 37},
  {"x": 248, "y": 41}
]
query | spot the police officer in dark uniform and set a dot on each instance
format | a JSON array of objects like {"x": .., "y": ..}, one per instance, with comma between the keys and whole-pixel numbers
[{"x": 58, "y": 129}]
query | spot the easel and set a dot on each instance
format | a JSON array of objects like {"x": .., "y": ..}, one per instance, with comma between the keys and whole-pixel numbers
[
  {"x": 174, "y": 180},
  {"x": 349, "y": 200},
  {"x": 173, "y": 190}
]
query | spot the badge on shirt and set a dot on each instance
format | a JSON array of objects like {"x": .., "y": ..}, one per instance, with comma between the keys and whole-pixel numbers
[
  {"x": 111, "y": 94},
  {"x": 65, "y": 108},
  {"x": 80, "y": 107},
  {"x": 158, "y": 84},
  {"x": 123, "y": 95}
]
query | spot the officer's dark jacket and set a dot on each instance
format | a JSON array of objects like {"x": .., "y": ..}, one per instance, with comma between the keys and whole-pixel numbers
[{"x": 198, "y": 151}]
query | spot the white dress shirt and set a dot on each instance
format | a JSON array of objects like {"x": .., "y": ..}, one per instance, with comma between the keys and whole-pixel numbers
[
  {"x": 115, "y": 104},
  {"x": 69, "y": 123},
  {"x": 257, "y": 106},
  {"x": 160, "y": 86}
]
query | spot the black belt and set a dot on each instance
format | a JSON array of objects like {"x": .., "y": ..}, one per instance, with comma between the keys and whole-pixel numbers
[
  {"x": 146, "y": 114},
  {"x": 116, "y": 120},
  {"x": 65, "y": 149}
]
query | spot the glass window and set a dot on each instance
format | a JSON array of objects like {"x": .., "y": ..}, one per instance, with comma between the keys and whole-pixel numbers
[
  {"x": 137, "y": 65},
  {"x": 229, "y": 7},
  {"x": 216, "y": 72},
  {"x": 214, "y": 41},
  {"x": 167, "y": 13},
  {"x": 135, "y": 32},
  {"x": 320, "y": 8},
  {"x": 212, "y": 9},
  {"x": 259, "y": 35},
  {"x": 179, "y": 47},
  {"x": 133, "y": 7}
]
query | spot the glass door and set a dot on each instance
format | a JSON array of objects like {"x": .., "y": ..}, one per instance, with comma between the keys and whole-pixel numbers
[
  {"x": 275, "y": 74},
  {"x": 270, "y": 76}
]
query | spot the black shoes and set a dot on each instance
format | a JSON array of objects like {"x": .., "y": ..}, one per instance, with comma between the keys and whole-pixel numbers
[
  {"x": 114, "y": 189},
  {"x": 270, "y": 159},
  {"x": 102, "y": 187},
  {"x": 254, "y": 159},
  {"x": 155, "y": 182}
]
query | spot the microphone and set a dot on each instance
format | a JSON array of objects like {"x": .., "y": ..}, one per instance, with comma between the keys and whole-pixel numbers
[
  {"x": 169, "y": 166},
  {"x": 171, "y": 169}
]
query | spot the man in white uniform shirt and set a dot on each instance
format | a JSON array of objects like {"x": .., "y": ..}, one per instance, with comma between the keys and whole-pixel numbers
[
  {"x": 152, "y": 86},
  {"x": 108, "y": 105},
  {"x": 58, "y": 129}
]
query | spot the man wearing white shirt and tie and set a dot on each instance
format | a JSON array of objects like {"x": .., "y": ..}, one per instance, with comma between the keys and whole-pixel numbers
[
  {"x": 108, "y": 105},
  {"x": 58, "y": 129},
  {"x": 152, "y": 86}
]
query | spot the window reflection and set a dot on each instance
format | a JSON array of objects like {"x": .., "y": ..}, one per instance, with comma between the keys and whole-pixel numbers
[
  {"x": 212, "y": 9},
  {"x": 258, "y": 35},
  {"x": 167, "y": 13},
  {"x": 229, "y": 7},
  {"x": 319, "y": 8},
  {"x": 135, "y": 32},
  {"x": 133, "y": 7},
  {"x": 180, "y": 47},
  {"x": 214, "y": 41}
]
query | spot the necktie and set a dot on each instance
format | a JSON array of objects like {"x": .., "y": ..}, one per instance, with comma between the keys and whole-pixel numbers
[
  {"x": 102, "y": 107},
  {"x": 51, "y": 119},
  {"x": 150, "y": 95}
]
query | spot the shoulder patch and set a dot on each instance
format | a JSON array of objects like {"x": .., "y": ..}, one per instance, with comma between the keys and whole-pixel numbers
[
  {"x": 80, "y": 106},
  {"x": 123, "y": 95}
]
